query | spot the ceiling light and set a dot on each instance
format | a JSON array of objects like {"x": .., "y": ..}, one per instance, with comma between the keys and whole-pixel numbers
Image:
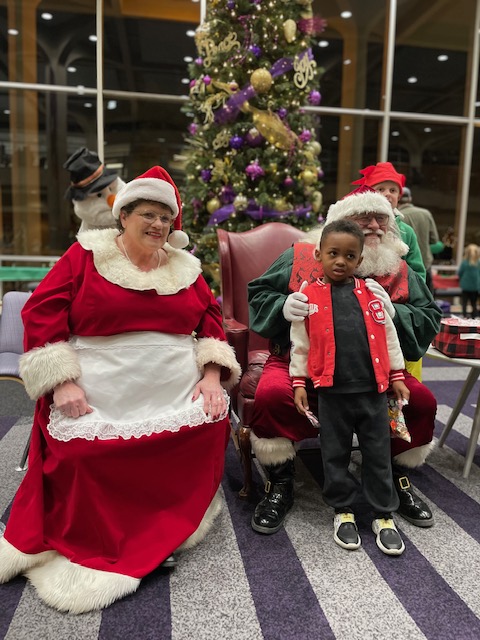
[
  {"x": 334, "y": 138},
  {"x": 188, "y": 59},
  {"x": 323, "y": 43},
  {"x": 190, "y": 33},
  {"x": 395, "y": 133},
  {"x": 88, "y": 105},
  {"x": 46, "y": 16},
  {"x": 477, "y": 104},
  {"x": 346, "y": 14},
  {"x": 71, "y": 69},
  {"x": 92, "y": 38},
  {"x": 6, "y": 112},
  {"x": 412, "y": 80},
  {"x": 185, "y": 80},
  {"x": 442, "y": 58},
  {"x": 13, "y": 32},
  {"x": 346, "y": 128},
  {"x": 427, "y": 129},
  {"x": 347, "y": 61},
  {"x": 111, "y": 105}
]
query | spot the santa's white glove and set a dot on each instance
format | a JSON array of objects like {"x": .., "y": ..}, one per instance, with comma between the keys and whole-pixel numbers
[
  {"x": 381, "y": 294},
  {"x": 296, "y": 305}
]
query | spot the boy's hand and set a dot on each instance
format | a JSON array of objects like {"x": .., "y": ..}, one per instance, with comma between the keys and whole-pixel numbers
[
  {"x": 301, "y": 399},
  {"x": 401, "y": 391}
]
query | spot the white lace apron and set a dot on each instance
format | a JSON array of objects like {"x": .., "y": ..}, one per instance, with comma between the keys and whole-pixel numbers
[{"x": 137, "y": 383}]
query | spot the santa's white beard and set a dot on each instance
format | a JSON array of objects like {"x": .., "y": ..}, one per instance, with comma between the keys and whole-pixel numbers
[{"x": 382, "y": 258}]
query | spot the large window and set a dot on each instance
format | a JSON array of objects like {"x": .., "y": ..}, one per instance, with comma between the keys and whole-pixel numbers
[{"x": 400, "y": 83}]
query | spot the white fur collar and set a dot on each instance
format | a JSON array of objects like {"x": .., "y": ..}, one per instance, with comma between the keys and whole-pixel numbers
[{"x": 181, "y": 270}]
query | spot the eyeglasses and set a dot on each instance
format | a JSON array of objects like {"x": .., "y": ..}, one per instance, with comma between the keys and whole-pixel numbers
[
  {"x": 149, "y": 218},
  {"x": 366, "y": 218}
]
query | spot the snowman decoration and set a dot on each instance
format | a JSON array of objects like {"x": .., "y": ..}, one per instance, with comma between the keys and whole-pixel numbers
[{"x": 92, "y": 189}]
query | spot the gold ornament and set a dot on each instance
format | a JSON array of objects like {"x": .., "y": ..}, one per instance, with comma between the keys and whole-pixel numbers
[
  {"x": 273, "y": 167},
  {"x": 240, "y": 202},
  {"x": 315, "y": 147},
  {"x": 317, "y": 201},
  {"x": 280, "y": 204},
  {"x": 213, "y": 205},
  {"x": 272, "y": 128},
  {"x": 261, "y": 80},
  {"x": 290, "y": 30},
  {"x": 209, "y": 50},
  {"x": 304, "y": 70},
  {"x": 308, "y": 177}
]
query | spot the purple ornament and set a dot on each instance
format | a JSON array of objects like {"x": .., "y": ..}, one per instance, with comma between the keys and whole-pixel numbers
[
  {"x": 236, "y": 142},
  {"x": 230, "y": 5},
  {"x": 192, "y": 83},
  {"x": 282, "y": 113},
  {"x": 206, "y": 80},
  {"x": 314, "y": 97},
  {"x": 192, "y": 128},
  {"x": 305, "y": 136},
  {"x": 227, "y": 194},
  {"x": 206, "y": 175},
  {"x": 255, "y": 49},
  {"x": 288, "y": 182},
  {"x": 199, "y": 61},
  {"x": 320, "y": 173},
  {"x": 255, "y": 1},
  {"x": 254, "y": 170},
  {"x": 254, "y": 138}
]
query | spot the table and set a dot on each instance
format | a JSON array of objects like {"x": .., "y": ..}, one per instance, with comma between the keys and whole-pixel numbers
[{"x": 474, "y": 364}]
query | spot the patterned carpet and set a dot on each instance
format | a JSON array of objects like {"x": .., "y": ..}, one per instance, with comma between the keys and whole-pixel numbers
[{"x": 297, "y": 584}]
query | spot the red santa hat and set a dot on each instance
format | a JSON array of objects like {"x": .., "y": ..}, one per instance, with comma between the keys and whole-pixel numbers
[
  {"x": 381, "y": 172},
  {"x": 364, "y": 199},
  {"x": 156, "y": 185}
]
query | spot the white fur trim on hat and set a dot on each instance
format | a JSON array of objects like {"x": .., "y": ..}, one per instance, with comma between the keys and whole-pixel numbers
[
  {"x": 357, "y": 204},
  {"x": 146, "y": 189}
]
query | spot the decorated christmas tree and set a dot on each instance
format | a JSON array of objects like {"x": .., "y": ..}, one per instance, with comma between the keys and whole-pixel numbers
[{"x": 252, "y": 152}]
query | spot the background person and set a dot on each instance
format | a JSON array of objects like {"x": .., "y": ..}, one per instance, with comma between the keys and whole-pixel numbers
[
  {"x": 345, "y": 320},
  {"x": 127, "y": 359},
  {"x": 422, "y": 222},
  {"x": 275, "y": 301},
  {"x": 469, "y": 273}
]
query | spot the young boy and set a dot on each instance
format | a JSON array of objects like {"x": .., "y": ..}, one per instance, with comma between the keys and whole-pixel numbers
[{"x": 349, "y": 348}]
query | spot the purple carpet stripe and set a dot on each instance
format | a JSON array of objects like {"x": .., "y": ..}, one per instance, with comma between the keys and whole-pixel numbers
[
  {"x": 457, "y": 505},
  {"x": 457, "y": 442},
  {"x": 144, "y": 615},
  {"x": 6, "y": 423},
  {"x": 10, "y": 595},
  {"x": 434, "y": 606},
  {"x": 285, "y": 603}
]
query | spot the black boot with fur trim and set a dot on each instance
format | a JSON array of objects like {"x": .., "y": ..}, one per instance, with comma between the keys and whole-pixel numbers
[{"x": 270, "y": 512}]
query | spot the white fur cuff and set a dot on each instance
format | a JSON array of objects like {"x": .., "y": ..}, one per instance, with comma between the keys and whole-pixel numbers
[
  {"x": 206, "y": 523},
  {"x": 219, "y": 352},
  {"x": 41, "y": 369},
  {"x": 270, "y": 451},
  {"x": 414, "y": 457}
]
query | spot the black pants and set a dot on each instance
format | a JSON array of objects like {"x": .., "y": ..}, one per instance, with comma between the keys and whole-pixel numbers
[
  {"x": 469, "y": 296},
  {"x": 366, "y": 414}
]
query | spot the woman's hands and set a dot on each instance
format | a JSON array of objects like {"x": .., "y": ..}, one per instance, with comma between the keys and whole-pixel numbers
[
  {"x": 214, "y": 403},
  {"x": 70, "y": 400}
]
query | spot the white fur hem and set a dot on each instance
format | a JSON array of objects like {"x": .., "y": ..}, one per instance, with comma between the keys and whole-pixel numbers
[
  {"x": 414, "y": 457},
  {"x": 205, "y": 525},
  {"x": 67, "y": 586},
  {"x": 14, "y": 562},
  {"x": 41, "y": 369},
  {"x": 219, "y": 352},
  {"x": 270, "y": 451}
]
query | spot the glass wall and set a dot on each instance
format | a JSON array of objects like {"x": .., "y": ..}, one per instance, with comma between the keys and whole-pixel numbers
[{"x": 400, "y": 83}]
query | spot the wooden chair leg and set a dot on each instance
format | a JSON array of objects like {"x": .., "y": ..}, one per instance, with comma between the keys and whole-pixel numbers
[{"x": 246, "y": 459}]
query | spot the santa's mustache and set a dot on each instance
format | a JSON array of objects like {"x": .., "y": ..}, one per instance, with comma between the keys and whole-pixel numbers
[{"x": 378, "y": 232}]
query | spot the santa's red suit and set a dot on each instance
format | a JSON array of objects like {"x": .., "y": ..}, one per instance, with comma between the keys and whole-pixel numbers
[{"x": 108, "y": 496}]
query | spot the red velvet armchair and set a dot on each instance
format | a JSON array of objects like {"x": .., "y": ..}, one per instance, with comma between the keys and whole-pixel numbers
[{"x": 243, "y": 257}]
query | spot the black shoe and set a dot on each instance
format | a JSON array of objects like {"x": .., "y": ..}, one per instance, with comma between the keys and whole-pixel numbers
[
  {"x": 169, "y": 562},
  {"x": 270, "y": 512},
  {"x": 412, "y": 507}
]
